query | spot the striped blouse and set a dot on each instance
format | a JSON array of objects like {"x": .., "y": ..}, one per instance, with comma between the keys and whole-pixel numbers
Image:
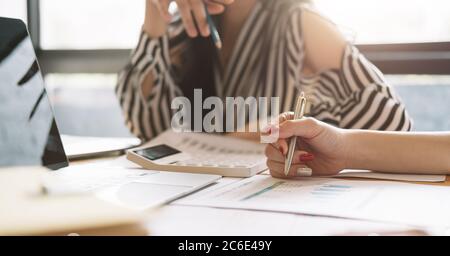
[{"x": 266, "y": 62}]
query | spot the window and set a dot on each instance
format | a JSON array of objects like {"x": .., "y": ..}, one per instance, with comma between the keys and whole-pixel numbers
[
  {"x": 387, "y": 21},
  {"x": 99, "y": 24},
  {"x": 417, "y": 91},
  {"x": 14, "y": 9}
]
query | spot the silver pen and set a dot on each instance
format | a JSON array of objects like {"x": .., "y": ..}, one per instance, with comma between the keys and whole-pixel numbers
[{"x": 299, "y": 111}]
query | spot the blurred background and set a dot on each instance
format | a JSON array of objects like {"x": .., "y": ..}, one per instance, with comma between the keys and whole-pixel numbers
[{"x": 82, "y": 44}]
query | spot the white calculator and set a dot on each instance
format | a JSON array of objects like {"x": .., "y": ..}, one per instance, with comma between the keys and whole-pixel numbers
[{"x": 200, "y": 153}]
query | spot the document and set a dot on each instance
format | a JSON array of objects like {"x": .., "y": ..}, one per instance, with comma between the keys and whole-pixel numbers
[
  {"x": 206, "y": 221},
  {"x": 412, "y": 204},
  {"x": 365, "y": 174}
]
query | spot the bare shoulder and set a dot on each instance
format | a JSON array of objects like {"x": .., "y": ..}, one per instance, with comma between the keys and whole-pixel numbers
[{"x": 324, "y": 43}]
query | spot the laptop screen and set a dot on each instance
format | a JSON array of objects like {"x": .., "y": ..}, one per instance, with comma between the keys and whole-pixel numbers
[{"x": 28, "y": 131}]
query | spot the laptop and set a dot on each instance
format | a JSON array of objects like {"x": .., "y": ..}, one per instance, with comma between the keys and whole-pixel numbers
[{"x": 29, "y": 136}]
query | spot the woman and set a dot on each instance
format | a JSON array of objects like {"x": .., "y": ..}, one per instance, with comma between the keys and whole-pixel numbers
[
  {"x": 326, "y": 150},
  {"x": 270, "y": 49}
]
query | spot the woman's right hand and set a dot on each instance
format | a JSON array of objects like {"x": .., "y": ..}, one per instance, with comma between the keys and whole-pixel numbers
[
  {"x": 320, "y": 146},
  {"x": 192, "y": 12}
]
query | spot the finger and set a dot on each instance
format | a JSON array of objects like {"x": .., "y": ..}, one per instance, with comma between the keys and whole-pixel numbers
[
  {"x": 277, "y": 169},
  {"x": 272, "y": 130},
  {"x": 283, "y": 146},
  {"x": 164, "y": 9},
  {"x": 222, "y": 2},
  {"x": 198, "y": 9},
  {"x": 301, "y": 157},
  {"x": 302, "y": 145},
  {"x": 214, "y": 8},
  {"x": 306, "y": 128},
  {"x": 269, "y": 134},
  {"x": 272, "y": 126},
  {"x": 186, "y": 16},
  {"x": 285, "y": 116},
  {"x": 296, "y": 170},
  {"x": 273, "y": 154},
  {"x": 157, "y": 4},
  {"x": 217, "y": 6}
]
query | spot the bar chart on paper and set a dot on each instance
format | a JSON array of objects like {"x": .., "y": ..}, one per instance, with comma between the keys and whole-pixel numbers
[
  {"x": 265, "y": 193},
  {"x": 375, "y": 200}
]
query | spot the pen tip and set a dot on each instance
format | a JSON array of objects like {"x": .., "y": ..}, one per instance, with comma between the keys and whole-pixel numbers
[
  {"x": 302, "y": 94},
  {"x": 286, "y": 169},
  {"x": 219, "y": 45}
]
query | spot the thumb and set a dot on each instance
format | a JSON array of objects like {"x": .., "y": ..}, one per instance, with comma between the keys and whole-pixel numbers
[{"x": 306, "y": 128}]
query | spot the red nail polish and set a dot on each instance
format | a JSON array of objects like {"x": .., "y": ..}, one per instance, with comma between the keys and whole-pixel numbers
[
  {"x": 274, "y": 129},
  {"x": 265, "y": 129},
  {"x": 306, "y": 157}
]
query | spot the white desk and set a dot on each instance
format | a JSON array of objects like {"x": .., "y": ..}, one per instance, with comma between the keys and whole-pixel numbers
[
  {"x": 202, "y": 221},
  {"x": 182, "y": 220}
]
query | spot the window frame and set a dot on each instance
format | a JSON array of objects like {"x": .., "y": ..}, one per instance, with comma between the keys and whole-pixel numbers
[{"x": 406, "y": 58}]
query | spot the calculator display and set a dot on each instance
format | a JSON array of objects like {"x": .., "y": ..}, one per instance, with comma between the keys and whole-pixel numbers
[{"x": 157, "y": 152}]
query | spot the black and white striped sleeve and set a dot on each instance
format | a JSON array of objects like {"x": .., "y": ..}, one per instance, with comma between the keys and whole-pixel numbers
[
  {"x": 368, "y": 101},
  {"x": 354, "y": 96},
  {"x": 146, "y": 117}
]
